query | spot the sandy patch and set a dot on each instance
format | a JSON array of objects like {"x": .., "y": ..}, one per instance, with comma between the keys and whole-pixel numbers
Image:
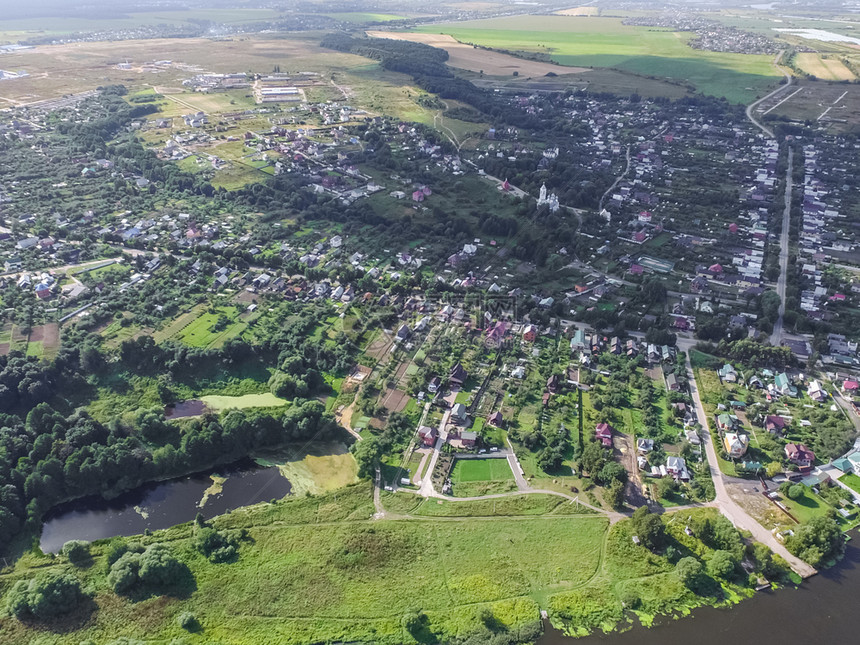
[{"x": 477, "y": 60}]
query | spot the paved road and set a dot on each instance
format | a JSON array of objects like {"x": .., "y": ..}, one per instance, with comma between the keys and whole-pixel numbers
[
  {"x": 427, "y": 489},
  {"x": 781, "y": 88},
  {"x": 728, "y": 506},
  {"x": 776, "y": 336},
  {"x": 617, "y": 180},
  {"x": 514, "y": 463}
]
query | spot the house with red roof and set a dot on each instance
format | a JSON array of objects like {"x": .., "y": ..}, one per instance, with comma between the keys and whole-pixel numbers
[
  {"x": 428, "y": 436},
  {"x": 800, "y": 456},
  {"x": 603, "y": 433},
  {"x": 775, "y": 424}
]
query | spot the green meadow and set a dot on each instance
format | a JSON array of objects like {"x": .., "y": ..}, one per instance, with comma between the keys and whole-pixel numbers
[{"x": 606, "y": 42}]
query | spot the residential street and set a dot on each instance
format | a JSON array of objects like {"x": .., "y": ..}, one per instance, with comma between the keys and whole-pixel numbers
[
  {"x": 776, "y": 336},
  {"x": 728, "y": 507}
]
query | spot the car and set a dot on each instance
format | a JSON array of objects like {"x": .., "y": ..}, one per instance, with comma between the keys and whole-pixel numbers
[
  {"x": 389, "y": 488},
  {"x": 494, "y": 449},
  {"x": 481, "y": 451}
]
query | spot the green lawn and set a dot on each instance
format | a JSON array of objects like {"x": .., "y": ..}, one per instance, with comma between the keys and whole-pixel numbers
[
  {"x": 265, "y": 400},
  {"x": 852, "y": 481},
  {"x": 807, "y": 506},
  {"x": 205, "y": 331},
  {"x": 474, "y": 470},
  {"x": 606, "y": 42}
]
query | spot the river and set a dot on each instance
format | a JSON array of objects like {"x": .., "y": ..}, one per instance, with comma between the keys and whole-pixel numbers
[
  {"x": 162, "y": 505},
  {"x": 818, "y": 611}
]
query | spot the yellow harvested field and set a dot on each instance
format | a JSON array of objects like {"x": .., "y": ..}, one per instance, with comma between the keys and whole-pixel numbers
[
  {"x": 827, "y": 69},
  {"x": 579, "y": 11},
  {"x": 477, "y": 60}
]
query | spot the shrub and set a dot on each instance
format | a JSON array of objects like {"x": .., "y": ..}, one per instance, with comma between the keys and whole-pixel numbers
[
  {"x": 124, "y": 573},
  {"x": 721, "y": 564},
  {"x": 795, "y": 491},
  {"x": 156, "y": 568},
  {"x": 188, "y": 621},
  {"x": 77, "y": 551},
  {"x": 690, "y": 571},
  {"x": 47, "y": 595},
  {"x": 218, "y": 546}
]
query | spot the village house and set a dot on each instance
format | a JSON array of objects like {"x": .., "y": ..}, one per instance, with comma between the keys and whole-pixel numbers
[
  {"x": 735, "y": 444},
  {"x": 800, "y": 456},
  {"x": 434, "y": 384},
  {"x": 775, "y": 424},
  {"x": 468, "y": 438},
  {"x": 677, "y": 467},
  {"x": 727, "y": 422},
  {"x": 458, "y": 375},
  {"x": 603, "y": 433},
  {"x": 644, "y": 446},
  {"x": 783, "y": 385},
  {"x": 816, "y": 391},
  {"x": 458, "y": 413},
  {"x": 496, "y": 419},
  {"x": 530, "y": 333},
  {"x": 428, "y": 436},
  {"x": 728, "y": 374}
]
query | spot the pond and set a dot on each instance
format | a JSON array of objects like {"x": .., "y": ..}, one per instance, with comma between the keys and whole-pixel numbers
[
  {"x": 190, "y": 408},
  {"x": 818, "y": 611},
  {"x": 162, "y": 505}
]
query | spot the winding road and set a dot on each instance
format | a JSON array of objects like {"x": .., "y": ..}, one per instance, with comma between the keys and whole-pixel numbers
[{"x": 782, "y": 88}]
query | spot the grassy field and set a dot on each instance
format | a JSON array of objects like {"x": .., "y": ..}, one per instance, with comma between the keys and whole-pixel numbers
[
  {"x": 825, "y": 67},
  {"x": 198, "y": 327},
  {"x": 265, "y": 400},
  {"x": 29, "y": 27},
  {"x": 317, "y": 569},
  {"x": 852, "y": 481},
  {"x": 606, "y": 42},
  {"x": 473, "y": 470},
  {"x": 329, "y": 575},
  {"x": 360, "y": 17}
]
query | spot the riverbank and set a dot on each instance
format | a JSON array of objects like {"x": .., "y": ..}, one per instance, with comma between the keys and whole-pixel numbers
[{"x": 329, "y": 572}]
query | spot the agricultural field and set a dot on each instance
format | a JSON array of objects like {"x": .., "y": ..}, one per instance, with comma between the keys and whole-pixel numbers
[
  {"x": 606, "y": 42},
  {"x": 467, "y": 57},
  {"x": 824, "y": 67},
  {"x": 360, "y": 17}
]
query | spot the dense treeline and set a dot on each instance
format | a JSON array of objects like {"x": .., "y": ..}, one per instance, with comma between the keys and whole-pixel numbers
[
  {"x": 50, "y": 458},
  {"x": 427, "y": 66},
  {"x": 51, "y": 452}
]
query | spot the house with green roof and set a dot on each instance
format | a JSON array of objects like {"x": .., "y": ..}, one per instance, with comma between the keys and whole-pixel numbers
[
  {"x": 728, "y": 374},
  {"x": 783, "y": 385},
  {"x": 727, "y": 421}
]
